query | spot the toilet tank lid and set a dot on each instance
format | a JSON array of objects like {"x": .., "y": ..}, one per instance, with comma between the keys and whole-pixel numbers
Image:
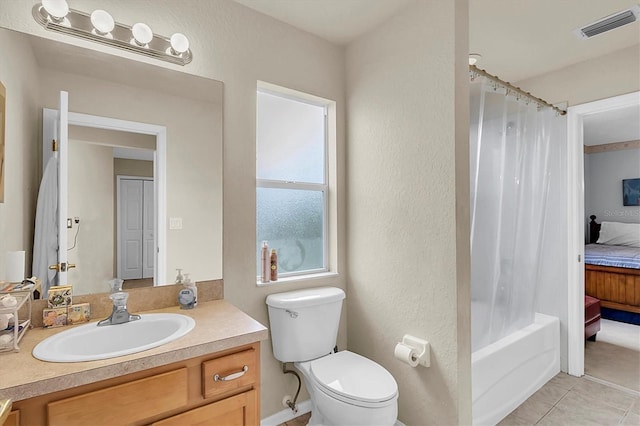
[{"x": 307, "y": 297}]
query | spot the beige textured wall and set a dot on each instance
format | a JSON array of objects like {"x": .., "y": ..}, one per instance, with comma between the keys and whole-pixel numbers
[
  {"x": 17, "y": 73},
  {"x": 408, "y": 202},
  {"x": 610, "y": 75},
  {"x": 238, "y": 46},
  {"x": 91, "y": 199}
]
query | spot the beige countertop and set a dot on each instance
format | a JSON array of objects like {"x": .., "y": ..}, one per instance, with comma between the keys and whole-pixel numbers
[{"x": 219, "y": 326}]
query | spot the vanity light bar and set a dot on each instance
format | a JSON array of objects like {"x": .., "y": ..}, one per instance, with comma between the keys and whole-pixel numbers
[{"x": 78, "y": 24}]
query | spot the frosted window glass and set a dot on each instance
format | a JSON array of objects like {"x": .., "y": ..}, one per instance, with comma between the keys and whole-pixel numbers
[
  {"x": 290, "y": 140},
  {"x": 291, "y": 221}
]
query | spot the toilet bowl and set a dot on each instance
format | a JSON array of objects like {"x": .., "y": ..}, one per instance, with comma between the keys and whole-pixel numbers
[
  {"x": 349, "y": 389},
  {"x": 345, "y": 388}
]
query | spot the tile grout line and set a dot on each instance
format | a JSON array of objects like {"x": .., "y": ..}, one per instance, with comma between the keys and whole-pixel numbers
[
  {"x": 613, "y": 385},
  {"x": 553, "y": 406}
]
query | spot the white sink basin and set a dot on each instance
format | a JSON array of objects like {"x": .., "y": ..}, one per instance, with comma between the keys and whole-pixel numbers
[{"x": 89, "y": 342}]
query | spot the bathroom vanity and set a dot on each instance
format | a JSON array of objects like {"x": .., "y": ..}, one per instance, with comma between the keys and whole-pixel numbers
[{"x": 209, "y": 376}]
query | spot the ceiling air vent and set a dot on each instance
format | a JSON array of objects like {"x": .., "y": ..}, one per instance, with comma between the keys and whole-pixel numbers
[{"x": 609, "y": 23}]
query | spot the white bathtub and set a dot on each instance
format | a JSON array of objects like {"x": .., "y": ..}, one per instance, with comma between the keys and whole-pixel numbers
[{"x": 507, "y": 372}]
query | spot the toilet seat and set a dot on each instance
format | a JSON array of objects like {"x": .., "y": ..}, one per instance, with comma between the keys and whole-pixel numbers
[{"x": 354, "y": 379}]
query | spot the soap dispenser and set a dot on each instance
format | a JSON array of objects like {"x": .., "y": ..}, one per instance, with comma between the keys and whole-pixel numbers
[
  {"x": 191, "y": 285},
  {"x": 187, "y": 297}
]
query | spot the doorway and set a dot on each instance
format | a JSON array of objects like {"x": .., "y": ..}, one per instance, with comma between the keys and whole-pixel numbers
[{"x": 577, "y": 224}]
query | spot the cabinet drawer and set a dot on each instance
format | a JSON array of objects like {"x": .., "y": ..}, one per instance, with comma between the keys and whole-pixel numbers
[
  {"x": 123, "y": 404},
  {"x": 238, "y": 410},
  {"x": 228, "y": 373}
]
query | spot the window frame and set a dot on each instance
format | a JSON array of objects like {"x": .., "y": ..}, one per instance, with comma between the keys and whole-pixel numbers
[{"x": 308, "y": 186}]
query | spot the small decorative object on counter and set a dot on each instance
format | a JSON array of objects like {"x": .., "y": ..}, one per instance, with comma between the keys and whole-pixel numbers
[
  {"x": 274, "y": 265},
  {"x": 54, "y": 317},
  {"x": 12, "y": 327},
  {"x": 265, "y": 271},
  {"x": 60, "y": 296},
  {"x": 77, "y": 314}
]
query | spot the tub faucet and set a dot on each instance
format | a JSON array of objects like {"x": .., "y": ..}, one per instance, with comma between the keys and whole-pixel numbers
[{"x": 119, "y": 315}]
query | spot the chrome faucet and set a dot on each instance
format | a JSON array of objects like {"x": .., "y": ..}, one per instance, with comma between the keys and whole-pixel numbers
[{"x": 119, "y": 315}]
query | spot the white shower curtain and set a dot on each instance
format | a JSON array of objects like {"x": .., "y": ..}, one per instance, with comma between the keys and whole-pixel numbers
[{"x": 511, "y": 161}]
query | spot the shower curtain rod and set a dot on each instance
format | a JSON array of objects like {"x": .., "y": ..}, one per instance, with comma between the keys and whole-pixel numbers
[{"x": 516, "y": 89}]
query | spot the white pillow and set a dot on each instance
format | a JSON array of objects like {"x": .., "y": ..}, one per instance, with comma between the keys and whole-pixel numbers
[{"x": 620, "y": 234}]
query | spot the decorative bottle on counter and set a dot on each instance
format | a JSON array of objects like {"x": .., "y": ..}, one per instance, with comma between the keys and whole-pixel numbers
[
  {"x": 265, "y": 272},
  {"x": 274, "y": 265}
]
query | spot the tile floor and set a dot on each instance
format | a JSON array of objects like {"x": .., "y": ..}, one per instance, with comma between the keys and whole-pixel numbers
[
  {"x": 568, "y": 400},
  {"x": 298, "y": 421},
  {"x": 615, "y": 355}
]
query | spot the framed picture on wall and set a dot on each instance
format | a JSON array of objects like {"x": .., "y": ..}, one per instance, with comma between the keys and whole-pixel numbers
[{"x": 631, "y": 192}]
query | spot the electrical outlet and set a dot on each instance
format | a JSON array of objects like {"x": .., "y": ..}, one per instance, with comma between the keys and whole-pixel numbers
[
  {"x": 175, "y": 223},
  {"x": 76, "y": 219}
]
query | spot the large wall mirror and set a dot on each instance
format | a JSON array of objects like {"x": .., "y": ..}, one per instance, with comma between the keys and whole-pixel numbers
[
  {"x": 107, "y": 168},
  {"x": 3, "y": 103}
]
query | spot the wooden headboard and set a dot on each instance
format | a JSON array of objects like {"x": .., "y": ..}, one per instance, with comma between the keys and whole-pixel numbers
[{"x": 594, "y": 229}]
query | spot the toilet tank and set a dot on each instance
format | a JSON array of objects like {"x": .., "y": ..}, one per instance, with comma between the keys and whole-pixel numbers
[{"x": 304, "y": 323}]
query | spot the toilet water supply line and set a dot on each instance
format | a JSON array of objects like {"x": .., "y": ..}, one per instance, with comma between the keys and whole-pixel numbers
[{"x": 292, "y": 404}]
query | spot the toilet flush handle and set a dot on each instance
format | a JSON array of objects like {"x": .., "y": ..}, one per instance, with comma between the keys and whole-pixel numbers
[{"x": 292, "y": 314}]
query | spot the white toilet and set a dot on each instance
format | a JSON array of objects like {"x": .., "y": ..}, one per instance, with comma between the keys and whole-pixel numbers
[{"x": 345, "y": 388}]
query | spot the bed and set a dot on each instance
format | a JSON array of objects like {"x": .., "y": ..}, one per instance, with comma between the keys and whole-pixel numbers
[{"x": 612, "y": 272}]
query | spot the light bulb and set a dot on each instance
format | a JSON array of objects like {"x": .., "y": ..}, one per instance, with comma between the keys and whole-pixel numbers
[
  {"x": 142, "y": 34},
  {"x": 102, "y": 21},
  {"x": 473, "y": 58},
  {"x": 57, "y": 9},
  {"x": 179, "y": 43}
]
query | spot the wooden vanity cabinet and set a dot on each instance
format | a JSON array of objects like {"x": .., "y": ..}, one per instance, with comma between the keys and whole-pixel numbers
[
  {"x": 13, "y": 419},
  {"x": 220, "y": 388}
]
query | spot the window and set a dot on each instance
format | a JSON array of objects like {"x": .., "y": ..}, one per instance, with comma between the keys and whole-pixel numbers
[{"x": 292, "y": 189}]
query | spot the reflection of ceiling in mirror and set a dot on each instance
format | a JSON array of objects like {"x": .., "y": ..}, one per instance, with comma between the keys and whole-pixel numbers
[{"x": 115, "y": 138}]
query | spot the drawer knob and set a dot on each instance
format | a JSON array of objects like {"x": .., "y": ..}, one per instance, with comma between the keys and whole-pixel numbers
[{"x": 233, "y": 376}]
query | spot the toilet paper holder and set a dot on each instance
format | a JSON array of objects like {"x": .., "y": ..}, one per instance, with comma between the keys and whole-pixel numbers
[{"x": 421, "y": 347}]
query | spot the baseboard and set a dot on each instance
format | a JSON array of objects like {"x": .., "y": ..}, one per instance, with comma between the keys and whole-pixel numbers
[{"x": 285, "y": 415}]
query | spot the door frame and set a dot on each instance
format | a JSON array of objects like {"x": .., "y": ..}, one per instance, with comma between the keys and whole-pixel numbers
[
  {"x": 577, "y": 220},
  {"x": 159, "y": 169}
]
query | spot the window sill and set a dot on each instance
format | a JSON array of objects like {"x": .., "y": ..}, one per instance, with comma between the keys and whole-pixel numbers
[{"x": 299, "y": 278}]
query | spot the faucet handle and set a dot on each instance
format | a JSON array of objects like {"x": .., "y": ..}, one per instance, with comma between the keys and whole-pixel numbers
[
  {"x": 119, "y": 299},
  {"x": 115, "y": 285}
]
